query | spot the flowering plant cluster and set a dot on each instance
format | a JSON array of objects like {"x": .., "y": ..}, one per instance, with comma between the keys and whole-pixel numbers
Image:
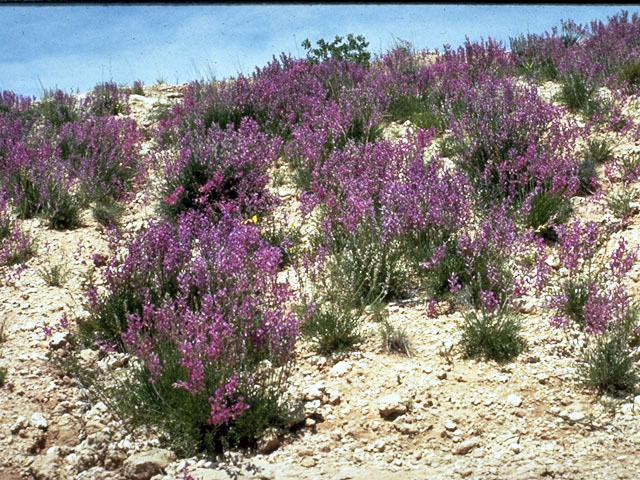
[
  {"x": 220, "y": 171},
  {"x": 56, "y": 157},
  {"x": 513, "y": 144},
  {"x": 593, "y": 294},
  {"x": 200, "y": 304},
  {"x": 107, "y": 99}
]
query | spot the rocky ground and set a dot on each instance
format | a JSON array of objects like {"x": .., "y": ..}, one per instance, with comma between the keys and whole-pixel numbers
[{"x": 370, "y": 414}]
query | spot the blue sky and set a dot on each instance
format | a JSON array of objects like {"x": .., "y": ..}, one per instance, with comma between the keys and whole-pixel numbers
[{"x": 77, "y": 46}]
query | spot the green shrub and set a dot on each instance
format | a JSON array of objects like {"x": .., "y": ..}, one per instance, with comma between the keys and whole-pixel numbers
[
  {"x": 395, "y": 339},
  {"x": 55, "y": 275},
  {"x": 578, "y": 95},
  {"x": 3, "y": 376},
  {"x": 182, "y": 417},
  {"x": 332, "y": 328},
  {"x": 598, "y": 151},
  {"x": 109, "y": 318},
  {"x": 419, "y": 111},
  {"x": 107, "y": 212},
  {"x": 354, "y": 49},
  {"x": 494, "y": 336},
  {"x": 608, "y": 365},
  {"x": 29, "y": 203},
  {"x": 587, "y": 176},
  {"x": 546, "y": 208},
  {"x": 630, "y": 75},
  {"x": 365, "y": 267},
  {"x": 620, "y": 203},
  {"x": 62, "y": 209},
  {"x": 577, "y": 294}
]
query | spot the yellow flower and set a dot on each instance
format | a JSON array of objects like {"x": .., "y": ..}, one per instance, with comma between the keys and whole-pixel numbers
[{"x": 253, "y": 220}]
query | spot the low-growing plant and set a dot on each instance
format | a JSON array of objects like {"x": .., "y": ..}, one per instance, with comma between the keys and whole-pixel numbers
[
  {"x": 534, "y": 56},
  {"x": 395, "y": 339},
  {"x": 28, "y": 196},
  {"x": 3, "y": 376},
  {"x": 587, "y": 176},
  {"x": 578, "y": 94},
  {"x": 369, "y": 269},
  {"x": 608, "y": 364},
  {"x": 630, "y": 75},
  {"x": 184, "y": 418},
  {"x": 598, "y": 151},
  {"x": 62, "y": 208},
  {"x": 620, "y": 203},
  {"x": 331, "y": 327},
  {"x": 419, "y": 111},
  {"x": 107, "y": 212},
  {"x": 55, "y": 275},
  {"x": 546, "y": 208},
  {"x": 495, "y": 336}
]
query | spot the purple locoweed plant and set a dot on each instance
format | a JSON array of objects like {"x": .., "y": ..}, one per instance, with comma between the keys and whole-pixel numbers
[
  {"x": 107, "y": 99},
  {"x": 593, "y": 294},
  {"x": 222, "y": 172},
  {"x": 512, "y": 144},
  {"x": 200, "y": 304}
]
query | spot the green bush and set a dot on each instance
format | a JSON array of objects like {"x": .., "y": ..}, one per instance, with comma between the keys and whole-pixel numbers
[
  {"x": 577, "y": 294},
  {"x": 182, "y": 417},
  {"x": 620, "y": 204},
  {"x": 55, "y": 275},
  {"x": 546, "y": 208},
  {"x": 630, "y": 75},
  {"x": 107, "y": 212},
  {"x": 395, "y": 339},
  {"x": 354, "y": 49},
  {"x": 369, "y": 269},
  {"x": 332, "y": 328},
  {"x": 598, "y": 151},
  {"x": 608, "y": 365},
  {"x": 494, "y": 336},
  {"x": 419, "y": 111},
  {"x": 29, "y": 203},
  {"x": 578, "y": 95},
  {"x": 62, "y": 209}
]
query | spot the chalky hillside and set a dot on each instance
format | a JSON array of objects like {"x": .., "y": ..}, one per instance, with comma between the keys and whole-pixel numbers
[{"x": 345, "y": 266}]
